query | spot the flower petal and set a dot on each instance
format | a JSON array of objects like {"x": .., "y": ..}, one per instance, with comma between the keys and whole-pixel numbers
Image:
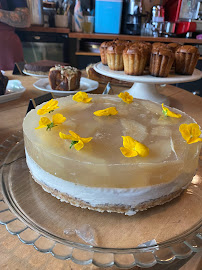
[
  {"x": 86, "y": 140},
  {"x": 190, "y": 133},
  {"x": 194, "y": 140},
  {"x": 128, "y": 142},
  {"x": 58, "y": 118},
  {"x": 195, "y": 130},
  {"x": 81, "y": 97},
  {"x": 184, "y": 129},
  {"x": 133, "y": 148},
  {"x": 141, "y": 149},
  {"x": 128, "y": 152},
  {"x": 126, "y": 97},
  {"x": 75, "y": 136},
  {"x": 78, "y": 146},
  {"x": 43, "y": 122},
  {"x": 40, "y": 127},
  {"x": 106, "y": 112},
  {"x": 167, "y": 112},
  {"x": 49, "y": 106},
  {"x": 64, "y": 136}
]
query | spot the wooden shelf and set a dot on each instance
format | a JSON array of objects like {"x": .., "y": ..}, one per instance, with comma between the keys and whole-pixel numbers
[
  {"x": 35, "y": 28},
  {"x": 131, "y": 37},
  {"x": 87, "y": 53}
]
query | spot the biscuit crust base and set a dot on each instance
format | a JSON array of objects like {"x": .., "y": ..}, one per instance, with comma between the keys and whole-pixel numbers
[{"x": 123, "y": 209}]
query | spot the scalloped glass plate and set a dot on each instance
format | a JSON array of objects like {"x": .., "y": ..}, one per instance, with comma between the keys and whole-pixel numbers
[{"x": 84, "y": 236}]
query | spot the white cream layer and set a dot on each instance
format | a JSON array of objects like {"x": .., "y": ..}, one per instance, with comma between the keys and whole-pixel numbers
[{"x": 111, "y": 196}]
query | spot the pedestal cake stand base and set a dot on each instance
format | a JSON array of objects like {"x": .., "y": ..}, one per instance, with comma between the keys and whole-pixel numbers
[
  {"x": 147, "y": 91},
  {"x": 145, "y": 86}
]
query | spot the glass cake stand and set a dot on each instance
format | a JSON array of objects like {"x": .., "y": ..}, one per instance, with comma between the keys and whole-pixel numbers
[
  {"x": 88, "y": 237},
  {"x": 145, "y": 87}
]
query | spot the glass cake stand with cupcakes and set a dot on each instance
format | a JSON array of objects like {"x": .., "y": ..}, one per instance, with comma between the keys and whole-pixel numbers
[
  {"x": 166, "y": 234},
  {"x": 146, "y": 86}
]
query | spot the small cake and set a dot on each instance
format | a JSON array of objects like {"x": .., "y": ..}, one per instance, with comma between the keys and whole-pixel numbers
[
  {"x": 42, "y": 67},
  {"x": 103, "y": 51},
  {"x": 186, "y": 58},
  {"x": 93, "y": 75},
  {"x": 110, "y": 153},
  {"x": 3, "y": 83},
  {"x": 115, "y": 56},
  {"x": 135, "y": 58},
  {"x": 173, "y": 46},
  {"x": 64, "y": 78},
  {"x": 148, "y": 47},
  {"x": 161, "y": 61}
]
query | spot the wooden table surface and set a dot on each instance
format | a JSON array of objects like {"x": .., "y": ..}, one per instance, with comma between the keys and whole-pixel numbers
[{"x": 16, "y": 255}]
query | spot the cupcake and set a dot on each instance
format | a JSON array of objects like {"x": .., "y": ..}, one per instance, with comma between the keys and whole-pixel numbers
[
  {"x": 186, "y": 58},
  {"x": 135, "y": 59},
  {"x": 64, "y": 78},
  {"x": 161, "y": 61},
  {"x": 115, "y": 56},
  {"x": 103, "y": 51},
  {"x": 148, "y": 48},
  {"x": 173, "y": 46}
]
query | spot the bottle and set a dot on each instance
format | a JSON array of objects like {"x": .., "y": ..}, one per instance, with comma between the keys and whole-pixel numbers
[{"x": 78, "y": 17}]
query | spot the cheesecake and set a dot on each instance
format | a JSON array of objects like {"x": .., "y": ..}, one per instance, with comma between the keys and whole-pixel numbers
[{"x": 106, "y": 154}]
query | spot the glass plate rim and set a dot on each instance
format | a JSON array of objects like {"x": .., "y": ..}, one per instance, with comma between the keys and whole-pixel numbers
[{"x": 194, "y": 231}]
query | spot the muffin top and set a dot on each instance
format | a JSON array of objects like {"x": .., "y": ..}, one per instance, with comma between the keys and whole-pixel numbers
[
  {"x": 158, "y": 44},
  {"x": 187, "y": 49},
  {"x": 104, "y": 45},
  {"x": 65, "y": 70},
  {"x": 146, "y": 45},
  {"x": 116, "y": 48},
  {"x": 165, "y": 51},
  {"x": 121, "y": 41},
  {"x": 136, "y": 48},
  {"x": 174, "y": 46}
]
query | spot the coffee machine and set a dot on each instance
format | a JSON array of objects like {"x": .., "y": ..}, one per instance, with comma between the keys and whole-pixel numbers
[
  {"x": 131, "y": 17},
  {"x": 186, "y": 15}
]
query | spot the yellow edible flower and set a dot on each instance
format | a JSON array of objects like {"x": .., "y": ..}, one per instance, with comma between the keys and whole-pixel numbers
[
  {"x": 106, "y": 112},
  {"x": 190, "y": 133},
  {"x": 81, "y": 97},
  {"x": 57, "y": 119},
  {"x": 50, "y": 106},
  {"x": 132, "y": 148},
  {"x": 77, "y": 141},
  {"x": 167, "y": 112},
  {"x": 126, "y": 97}
]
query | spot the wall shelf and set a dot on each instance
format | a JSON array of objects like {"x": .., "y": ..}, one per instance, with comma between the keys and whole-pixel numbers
[
  {"x": 136, "y": 38},
  {"x": 87, "y": 53},
  {"x": 36, "y": 28}
]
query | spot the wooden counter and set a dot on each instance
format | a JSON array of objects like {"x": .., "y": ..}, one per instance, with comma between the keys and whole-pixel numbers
[{"x": 16, "y": 255}]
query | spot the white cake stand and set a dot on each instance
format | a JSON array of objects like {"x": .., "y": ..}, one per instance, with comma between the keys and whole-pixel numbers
[{"x": 145, "y": 86}]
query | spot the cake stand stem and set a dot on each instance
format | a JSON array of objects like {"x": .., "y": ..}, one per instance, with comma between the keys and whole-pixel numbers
[{"x": 147, "y": 91}]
